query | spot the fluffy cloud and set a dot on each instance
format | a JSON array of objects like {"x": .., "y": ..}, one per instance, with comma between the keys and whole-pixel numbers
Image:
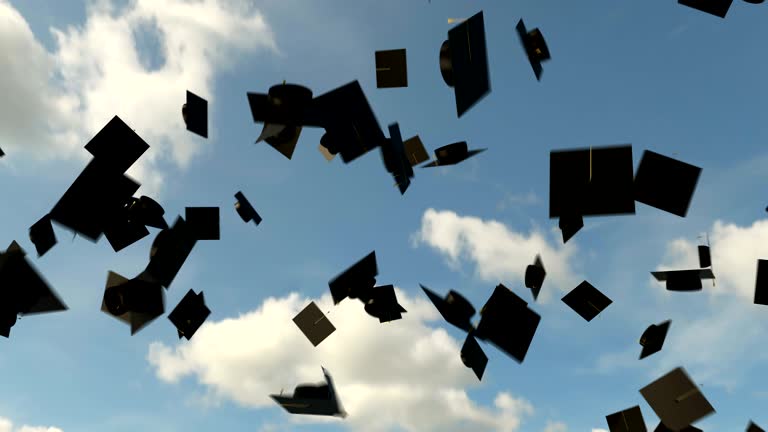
[
  {"x": 403, "y": 374},
  {"x": 498, "y": 252},
  {"x": 62, "y": 98},
  {"x": 7, "y": 426},
  {"x": 555, "y": 427}
]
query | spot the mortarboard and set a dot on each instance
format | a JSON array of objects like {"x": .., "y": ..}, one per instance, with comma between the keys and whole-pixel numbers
[
  {"x": 391, "y": 69},
  {"x": 665, "y": 183},
  {"x": 534, "y": 276},
  {"x": 717, "y": 8},
  {"x": 705, "y": 259},
  {"x": 245, "y": 209},
  {"x": 473, "y": 357},
  {"x": 203, "y": 222},
  {"x": 382, "y": 304},
  {"x": 356, "y": 281},
  {"x": 593, "y": 181},
  {"x": 395, "y": 159},
  {"x": 508, "y": 323},
  {"x": 314, "y": 324},
  {"x": 454, "y": 308},
  {"x": 662, "y": 428},
  {"x": 42, "y": 236},
  {"x": 146, "y": 211},
  {"x": 415, "y": 151},
  {"x": 2, "y": 153},
  {"x": 587, "y": 301},
  {"x": 761, "y": 283},
  {"x": 195, "y": 113},
  {"x": 535, "y": 47},
  {"x": 570, "y": 223},
  {"x": 311, "y": 399},
  {"x": 653, "y": 338},
  {"x": 452, "y": 154},
  {"x": 136, "y": 302},
  {"x": 676, "y": 400},
  {"x": 284, "y": 110},
  {"x": 117, "y": 146},
  {"x": 122, "y": 232},
  {"x": 170, "y": 249},
  {"x": 189, "y": 314},
  {"x": 628, "y": 420},
  {"x": 752, "y": 427},
  {"x": 683, "y": 280},
  {"x": 464, "y": 63}
]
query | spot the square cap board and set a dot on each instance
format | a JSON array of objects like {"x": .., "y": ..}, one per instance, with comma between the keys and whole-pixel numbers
[
  {"x": 665, "y": 183},
  {"x": 718, "y": 8},
  {"x": 676, "y": 400},
  {"x": 391, "y": 69},
  {"x": 473, "y": 356},
  {"x": 195, "y": 113},
  {"x": 189, "y": 314},
  {"x": 508, "y": 323},
  {"x": 468, "y": 62},
  {"x": 314, "y": 324},
  {"x": 628, "y": 420},
  {"x": 653, "y": 338},
  {"x": 761, "y": 284},
  {"x": 117, "y": 146},
  {"x": 587, "y": 301}
]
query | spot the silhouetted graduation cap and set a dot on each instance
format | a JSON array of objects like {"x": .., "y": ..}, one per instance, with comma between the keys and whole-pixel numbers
[
  {"x": 117, "y": 146},
  {"x": 473, "y": 356},
  {"x": 761, "y": 283},
  {"x": 284, "y": 110},
  {"x": 665, "y": 183},
  {"x": 42, "y": 236},
  {"x": 628, "y": 420},
  {"x": 535, "y": 47},
  {"x": 122, "y": 232},
  {"x": 662, "y": 428},
  {"x": 195, "y": 113},
  {"x": 136, "y": 302},
  {"x": 508, "y": 323},
  {"x": 464, "y": 63},
  {"x": 245, "y": 209},
  {"x": 314, "y": 324},
  {"x": 676, "y": 400},
  {"x": 705, "y": 259},
  {"x": 415, "y": 151},
  {"x": 570, "y": 223},
  {"x": 534, "y": 276},
  {"x": 22, "y": 290},
  {"x": 311, "y": 399},
  {"x": 203, "y": 222},
  {"x": 452, "y": 154},
  {"x": 146, "y": 211},
  {"x": 587, "y": 301},
  {"x": 382, "y": 304},
  {"x": 653, "y": 338},
  {"x": 717, "y": 8},
  {"x": 395, "y": 159},
  {"x": 391, "y": 69},
  {"x": 752, "y": 427},
  {"x": 2, "y": 153},
  {"x": 356, "y": 281},
  {"x": 593, "y": 181},
  {"x": 189, "y": 314},
  {"x": 454, "y": 308},
  {"x": 683, "y": 280},
  {"x": 170, "y": 249}
]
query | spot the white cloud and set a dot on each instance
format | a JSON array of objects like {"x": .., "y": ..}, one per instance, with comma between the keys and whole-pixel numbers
[
  {"x": 61, "y": 99},
  {"x": 6, "y": 425},
  {"x": 403, "y": 374},
  {"x": 599, "y": 430},
  {"x": 498, "y": 252},
  {"x": 555, "y": 427}
]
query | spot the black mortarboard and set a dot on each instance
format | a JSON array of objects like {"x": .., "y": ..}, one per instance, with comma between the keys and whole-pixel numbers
[
  {"x": 189, "y": 314},
  {"x": 311, "y": 399},
  {"x": 245, "y": 209},
  {"x": 717, "y": 8},
  {"x": 203, "y": 222},
  {"x": 683, "y": 280},
  {"x": 136, "y": 302},
  {"x": 284, "y": 110},
  {"x": 117, "y": 146},
  {"x": 653, "y": 338},
  {"x": 415, "y": 151},
  {"x": 383, "y": 304},
  {"x": 42, "y": 235},
  {"x": 591, "y": 181},
  {"x": 314, "y": 324},
  {"x": 761, "y": 283},
  {"x": 395, "y": 159},
  {"x": 587, "y": 301},
  {"x": 570, "y": 223},
  {"x": 676, "y": 400},
  {"x": 454, "y": 308},
  {"x": 473, "y": 357},
  {"x": 508, "y": 323},
  {"x": 535, "y": 47},
  {"x": 662, "y": 428},
  {"x": 195, "y": 113},
  {"x": 464, "y": 63},
  {"x": 391, "y": 69},
  {"x": 752, "y": 427},
  {"x": 452, "y": 154},
  {"x": 534, "y": 276},
  {"x": 170, "y": 249},
  {"x": 628, "y": 420},
  {"x": 122, "y": 232},
  {"x": 665, "y": 183},
  {"x": 2, "y": 153},
  {"x": 356, "y": 281},
  {"x": 147, "y": 211},
  {"x": 705, "y": 259}
]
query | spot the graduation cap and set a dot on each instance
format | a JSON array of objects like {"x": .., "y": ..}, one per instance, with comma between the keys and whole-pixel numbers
[
  {"x": 676, "y": 400},
  {"x": 473, "y": 356},
  {"x": 535, "y": 47},
  {"x": 189, "y": 314},
  {"x": 314, "y": 324},
  {"x": 665, "y": 183},
  {"x": 395, "y": 159},
  {"x": 628, "y": 420},
  {"x": 452, "y": 154},
  {"x": 653, "y": 338},
  {"x": 136, "y": 302},
  {"x": 761, "y": 283},
  {"x": 570, "y": 223},
  {"x": 752, "y": 427},
  {"x": 662, "y": 428},
  {"x": 203, "y": 222},
  {"x": 464, "y": 63},
  {"x": 382, "y": 304},
  {"x": 122, "y": 232},
  {"x": 415, "y": 151},
  {"x": 245, "y": 209},
  {"x": 391, "y": 69},
  {"x": 508, "y": 323},
  {"x": 587, "y": 301},
  {"x": 717, "y": 8},
  {"x": 534, "y": 276},
  {"x": 195, "y": 113},
  {"x": 117, "y": 146},
  {"x": 284, "y": 111},
  {"x": 170, "y": 249},
  {"x": 2, "y": 153},
  {"x": 42, "y": 236},
  {"x": 311, "y": 399},
  {"x": 356, "y": 281},
  {"x": 146, "y": 211},
  {"x": 454, "y": 308},
  {"x": 683, "y": 280}
]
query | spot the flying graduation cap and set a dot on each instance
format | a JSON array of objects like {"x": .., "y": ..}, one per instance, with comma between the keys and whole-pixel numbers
[
  {"x": 169, "y": 251},
  {"x": 752, "y": 427},
  {"x": 391, "y": 69},
  {"x": 665, "y": 183},
  {"x": 452, "y": 154},
  {"x": 312, "y": 399},
  {"x": 587, "y": 301},
  {"x": 396, "y": 160},
  {"x": 314, "y": 324},
  {"x": 203, "y": 222},
  {"x": 534, "y": 276},
  {"x": 535, "y": 47},
  {"x": 464, "y": 63},
  {"x": 136, "y": 302},
  {"x": 195, "y": 113},
  {"x": 189, "y": 314},
  {"x": 628, "y": 420},
  {"x": 653, "y": 338},
  {"x": 688, "y": 280},
  {"x": 245, "y": 210},
  {"x": 42, "y": 236},
  {"x": 718, "y": 8},
  {"x": 761, "y": 283},
  {"x": 284, "y": 110},
  {"x": 676, "y": 400}
]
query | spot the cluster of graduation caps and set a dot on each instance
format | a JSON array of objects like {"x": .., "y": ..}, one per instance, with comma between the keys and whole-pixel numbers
[{"x": 583, "y": 182}]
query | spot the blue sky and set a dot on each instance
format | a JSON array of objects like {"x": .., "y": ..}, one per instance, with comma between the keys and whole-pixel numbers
[{"x": 659, "y": 75}]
